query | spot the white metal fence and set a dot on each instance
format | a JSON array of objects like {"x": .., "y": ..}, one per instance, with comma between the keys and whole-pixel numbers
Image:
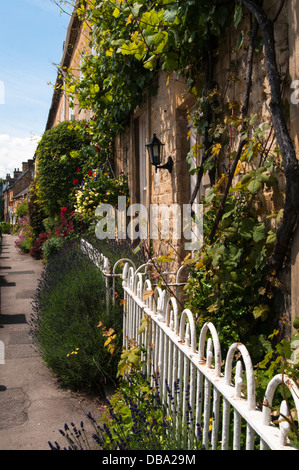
[
  {"x": 216, "y": 399},
  {"x": 210, "y": 398}
]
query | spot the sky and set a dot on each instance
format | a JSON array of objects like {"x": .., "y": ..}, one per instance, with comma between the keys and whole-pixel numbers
[{"x": 31, "y": 42}]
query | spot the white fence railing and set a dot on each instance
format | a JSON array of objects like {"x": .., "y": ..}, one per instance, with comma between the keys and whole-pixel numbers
[
  {"x": 110, "y": 273},
  {"x": 215, "y": 397},
  {"x": 103, "y": 263},
  {"x": 216, "y": 407}
]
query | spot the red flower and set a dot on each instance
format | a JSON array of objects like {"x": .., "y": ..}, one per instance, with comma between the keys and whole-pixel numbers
[
  {"x": 63, "y": 211},
  {"x": 76, "y": 181},
  {"x": 89, "y": 172},
  {"x": 78, "y": 170},
  {"x": 97, "y": 148}
]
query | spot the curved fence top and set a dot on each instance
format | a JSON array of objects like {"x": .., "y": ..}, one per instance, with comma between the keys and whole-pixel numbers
[
  {"x": 201, "y": 349},
  {"x": 179, "y": 326}
]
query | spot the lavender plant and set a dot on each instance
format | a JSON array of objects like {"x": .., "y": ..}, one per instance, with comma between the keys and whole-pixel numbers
[
  {"x": 138, "y": 419},
  {"x": 68, "y": 306}
]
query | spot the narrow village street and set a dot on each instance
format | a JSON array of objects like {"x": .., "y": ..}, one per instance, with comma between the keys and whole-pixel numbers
[
  {"x": 32, "y": 406},
  {"x": 149, "y": 226}
]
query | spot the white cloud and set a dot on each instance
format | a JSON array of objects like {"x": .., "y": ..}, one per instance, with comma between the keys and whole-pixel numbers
[{"x": 14, "y": 151}]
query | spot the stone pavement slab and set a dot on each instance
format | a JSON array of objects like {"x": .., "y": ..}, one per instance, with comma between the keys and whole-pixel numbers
[{"x": 32, "y": 406}]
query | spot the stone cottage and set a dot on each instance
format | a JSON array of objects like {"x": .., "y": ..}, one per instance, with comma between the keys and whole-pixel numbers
[
  {"x": 167, "y": 116},
  {"x": 16, "y": 189}
]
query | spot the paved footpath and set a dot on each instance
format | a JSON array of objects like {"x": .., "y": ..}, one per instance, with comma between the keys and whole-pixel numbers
[{"x": 32, "y": 407}]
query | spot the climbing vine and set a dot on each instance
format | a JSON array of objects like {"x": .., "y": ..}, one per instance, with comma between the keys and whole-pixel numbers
[
  {"x": 227, "y": 278},
  {"x": 235, "y": 276}
]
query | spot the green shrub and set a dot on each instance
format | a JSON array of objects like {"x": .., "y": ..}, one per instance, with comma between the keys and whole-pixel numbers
[
  {"x": 69, "y": 306},
  {"x": 58, "y": 164},
  {"x": 35, "y": 211},
  {"x": 22, "y": 209},
  {"x": 5, "y": 227},
  {"x": 51, "y": 247}
]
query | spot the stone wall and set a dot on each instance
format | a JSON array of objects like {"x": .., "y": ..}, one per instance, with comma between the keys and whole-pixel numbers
[
  {"x": 76, "y": 44},
  {"x": 166, "y": 115}
]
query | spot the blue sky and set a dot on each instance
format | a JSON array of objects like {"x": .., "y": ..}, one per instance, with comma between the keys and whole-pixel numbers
[{"x": 31, "y": 40}]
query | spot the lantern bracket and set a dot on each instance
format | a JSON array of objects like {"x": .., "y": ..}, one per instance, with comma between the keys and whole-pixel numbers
[{"x": 168, "y": 166}]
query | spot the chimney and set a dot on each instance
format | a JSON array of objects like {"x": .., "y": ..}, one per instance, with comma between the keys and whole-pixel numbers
[
  {"x": 17, "y": 173},
  {"x": 24, "y": 166}
]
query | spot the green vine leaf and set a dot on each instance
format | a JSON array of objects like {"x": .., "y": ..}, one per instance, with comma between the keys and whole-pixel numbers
[
  {"x": 238, "y": 14},
  {"x": 255, "y": 185},
  {"x": 259, "y": 232},
  {"x": 262, "y": 312}
]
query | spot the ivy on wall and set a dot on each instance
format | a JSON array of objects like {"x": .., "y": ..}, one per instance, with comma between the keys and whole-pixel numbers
[{"x": 234, "y": 277}]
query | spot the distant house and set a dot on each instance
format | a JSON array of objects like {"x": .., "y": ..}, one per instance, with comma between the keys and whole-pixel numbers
[
  {"x": 15, "y": 189},
  {"x": 8, "y": 195},
  {"x": 21, "y": 186}
]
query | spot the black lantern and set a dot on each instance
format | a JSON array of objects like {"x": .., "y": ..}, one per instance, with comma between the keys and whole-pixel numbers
[{"x": 155, "y": 153}]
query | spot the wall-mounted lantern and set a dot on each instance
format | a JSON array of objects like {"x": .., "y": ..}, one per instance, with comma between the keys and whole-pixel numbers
[{"x": 154, "y": 148}]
